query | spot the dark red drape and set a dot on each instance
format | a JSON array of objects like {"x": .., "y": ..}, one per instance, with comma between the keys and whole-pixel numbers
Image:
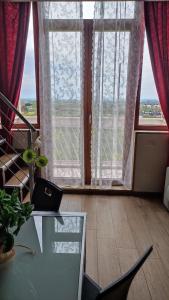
[
  {"x": 14, "y": 21},
  {"x": 157, "y": 28},
  {"x": 36, "y": 47}
]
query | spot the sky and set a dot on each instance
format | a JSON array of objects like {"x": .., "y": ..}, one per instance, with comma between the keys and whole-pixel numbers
[
  {"x": 28, "y": 89},
  {"x": 148, "y": 90}
]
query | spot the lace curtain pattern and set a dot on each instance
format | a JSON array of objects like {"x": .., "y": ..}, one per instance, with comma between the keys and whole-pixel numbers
[
  {"x": 117, "y": 50},
  {"x": 117, "y": 53},
  {"x": 61, "y": 81}
]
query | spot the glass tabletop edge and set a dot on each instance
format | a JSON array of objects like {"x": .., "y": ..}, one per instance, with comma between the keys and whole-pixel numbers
[
  {"x": 61, "y": 214},
  {"x": 82, "y": 259}
]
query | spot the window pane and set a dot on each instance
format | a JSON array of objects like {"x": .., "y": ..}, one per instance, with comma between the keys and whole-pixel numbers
[
  {"x": 68, "y": 10},
  {"x": 88, "y": 10},
  {"x": 112, "y": 10},
  {"x": 65, "y": 75},
  {"x": 116, "y": 10},
  {"x": 27, "y": 102},
  {"x": 150, "y": 110},
  {"x": 110, "y": 112},
  {"x": 62, "y": 10}
]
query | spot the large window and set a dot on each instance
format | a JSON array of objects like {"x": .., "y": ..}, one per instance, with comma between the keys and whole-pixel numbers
[
  {"x": 150, "y": 113},
  {"x": 88, "y": 126},
  {"x": 27, "y": 103}
]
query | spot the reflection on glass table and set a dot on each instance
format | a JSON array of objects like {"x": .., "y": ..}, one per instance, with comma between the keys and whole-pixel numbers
[
  {"x": 69, "y": 224},
  {"x": 55, "y": 271}
]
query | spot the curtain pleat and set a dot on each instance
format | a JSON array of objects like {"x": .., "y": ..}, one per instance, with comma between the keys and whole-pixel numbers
[
  {"x": 36, "y": 47},
  {"x": 117, "y": 58},
  {"x": 157, "y": 28},
  {"x": 14, "y": 21},
  {"x": 60, "y": 88}
]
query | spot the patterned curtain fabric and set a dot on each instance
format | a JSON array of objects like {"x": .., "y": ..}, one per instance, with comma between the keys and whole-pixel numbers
[
  {"x": 14, "y": 21},
  {"x": 117, "y": 34},
  {"x": 117, "y": 56},
  {"x": 157, "y": 28},
  {"x": 60, "y": 61},
  {"x": 36, "y": 49}
]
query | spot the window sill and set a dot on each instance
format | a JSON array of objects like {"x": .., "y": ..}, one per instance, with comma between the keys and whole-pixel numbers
[
  {"x": 151, "y": 131},
  {"x": 24, "y": 127},
  {"x": 151, "y": 128}
]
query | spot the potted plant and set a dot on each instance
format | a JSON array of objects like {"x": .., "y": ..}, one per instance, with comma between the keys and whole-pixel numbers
[{"x": 13, "y": 214}]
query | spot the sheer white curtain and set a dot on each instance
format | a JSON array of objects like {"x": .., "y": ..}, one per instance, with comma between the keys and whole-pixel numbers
[
  {"x": 117, "y": 52},
  {"x": 61, "y": 26}
]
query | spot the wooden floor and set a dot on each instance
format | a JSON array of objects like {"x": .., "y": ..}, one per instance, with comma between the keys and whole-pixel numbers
[{"x": 118, "y": 231}]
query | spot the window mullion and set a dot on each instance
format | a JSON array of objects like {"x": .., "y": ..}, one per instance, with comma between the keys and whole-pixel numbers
[{"x": 88, "y": 31}]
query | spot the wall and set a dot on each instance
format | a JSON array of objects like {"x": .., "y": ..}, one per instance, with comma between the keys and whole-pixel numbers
[
  {"x": 20, "y": 138},
  {"x": 151, "y": 155}
]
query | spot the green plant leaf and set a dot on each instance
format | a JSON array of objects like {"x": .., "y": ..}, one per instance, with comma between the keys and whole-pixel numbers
[
  {"x": 41, "y": 161},
  {"x": 7, "y": 242},
  {"x": 29, "y": 156},
  {"x": 13, "y": 213}
]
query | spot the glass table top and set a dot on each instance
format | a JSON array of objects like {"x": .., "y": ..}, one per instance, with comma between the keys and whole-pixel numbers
[{"x": 53, "y": 269}]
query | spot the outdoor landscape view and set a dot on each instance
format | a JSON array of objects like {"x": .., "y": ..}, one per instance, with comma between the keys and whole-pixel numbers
[
  {"x": 150, "y": 110},
  {"x": 28, "y": 108}
]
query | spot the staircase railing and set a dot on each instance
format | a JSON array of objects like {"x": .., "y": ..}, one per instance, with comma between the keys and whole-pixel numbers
[{"x": 31, "y": 129}]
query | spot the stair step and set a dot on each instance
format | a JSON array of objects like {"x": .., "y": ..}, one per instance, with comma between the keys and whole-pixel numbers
[
  {"x": 7, "y": 160},
  {"x": 19, "y": 179},
  {"x": 27, "y": 198},
  {"x": 2, "y": 141}
]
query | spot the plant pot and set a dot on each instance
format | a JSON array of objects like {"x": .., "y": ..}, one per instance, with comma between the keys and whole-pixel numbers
[{"x": 4, "y": 257}]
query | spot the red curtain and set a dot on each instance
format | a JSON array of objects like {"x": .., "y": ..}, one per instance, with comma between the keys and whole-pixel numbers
[
  {"x": 14, "y": 21},
  {"x": 157, "y": 28},
  {"x": 36, "y": 47}
]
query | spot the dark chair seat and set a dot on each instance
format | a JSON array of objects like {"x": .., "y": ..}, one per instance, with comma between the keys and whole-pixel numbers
[
  {"x": 46, "y": 195},
  {"x": 117, "y": 290},
  {"x": 90, "y": 288}
]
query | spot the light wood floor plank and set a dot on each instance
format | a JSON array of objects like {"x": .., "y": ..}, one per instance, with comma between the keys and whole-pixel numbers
[
  {"x": 157, "y": 279},
  {"x": 158, "y": 233},
  {"x": 139, "y": 289},
  {"x": 74, "y": 202},
  {"x": 164, "y": 256},
  {"x": 140, "y": 229},
  {"x": 164, "y": 219},
  {"x": 119, "y": 229},
  {"x": 108, "y": 264},
  {"x": 123, "y": 234},
  {"x": 89, "y": 206},
  {"x": 105, "y": 228},
  {"x": 91, "y": 254}
]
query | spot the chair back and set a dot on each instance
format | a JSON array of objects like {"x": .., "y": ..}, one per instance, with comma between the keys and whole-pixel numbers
[
  {"x": 46, "y": 195},
  {"x": 118, "y": 290}
]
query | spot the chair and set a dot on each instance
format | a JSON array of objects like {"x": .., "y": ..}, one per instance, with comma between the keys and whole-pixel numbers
[
  {"x": 117, "y": 290},
  {"x": 46, "y": 195}
]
